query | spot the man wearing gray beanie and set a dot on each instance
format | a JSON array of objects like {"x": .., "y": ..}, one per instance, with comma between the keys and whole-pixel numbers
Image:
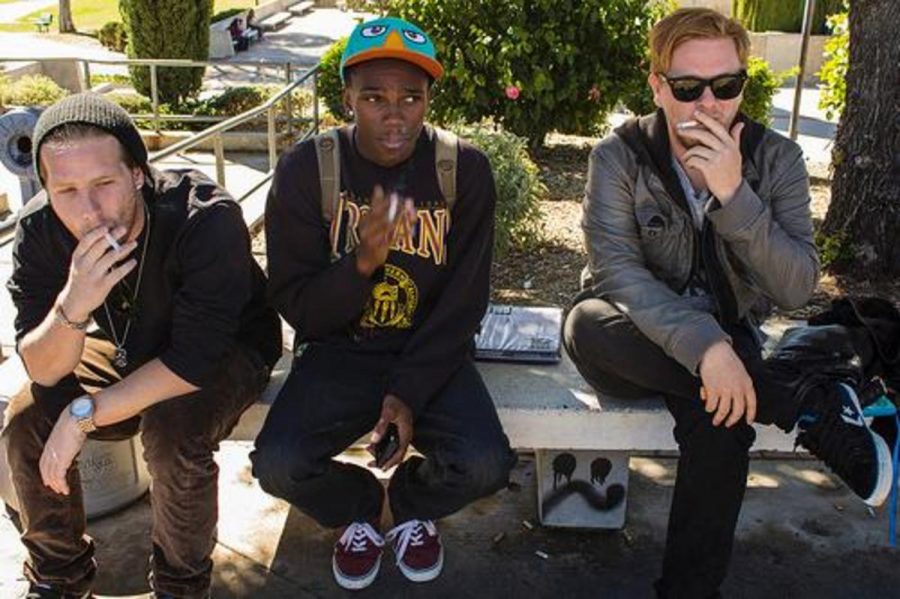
[{"x": 139, "y": 308}]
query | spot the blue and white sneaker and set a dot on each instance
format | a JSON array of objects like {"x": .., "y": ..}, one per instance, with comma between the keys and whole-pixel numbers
[{"x": 831, "y": 426}]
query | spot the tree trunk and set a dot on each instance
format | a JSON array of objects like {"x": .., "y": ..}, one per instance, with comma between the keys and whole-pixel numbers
[
  {"x": 66, "y": 25},
  {"x": 865, "y": 191}
]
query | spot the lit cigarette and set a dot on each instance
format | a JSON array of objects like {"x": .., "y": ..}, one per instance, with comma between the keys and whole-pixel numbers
[
  {"x": 392, "y": 211},
  {"x": 686, "y": 125},
  {"x": 112, "y": 242}
]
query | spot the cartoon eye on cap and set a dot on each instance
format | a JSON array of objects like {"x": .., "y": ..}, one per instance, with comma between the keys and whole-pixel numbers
[
  {"x": 414, "y": 36},
  {"x": 373, "y": 31}
]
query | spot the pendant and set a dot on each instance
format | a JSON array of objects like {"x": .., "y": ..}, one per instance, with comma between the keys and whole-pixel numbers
[{"x": 120, "y": 358}]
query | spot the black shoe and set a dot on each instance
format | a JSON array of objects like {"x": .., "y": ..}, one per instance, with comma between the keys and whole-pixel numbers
[
  {"x": 45, "y": 591},
  {"x": 831, "y": 426}
]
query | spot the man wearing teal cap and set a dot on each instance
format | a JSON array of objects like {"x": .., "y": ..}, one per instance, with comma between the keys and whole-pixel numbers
[{"x": 385, "y": 292}]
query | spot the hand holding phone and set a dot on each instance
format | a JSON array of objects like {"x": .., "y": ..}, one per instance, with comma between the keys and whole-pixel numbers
[{"x": 387, "y": 446}]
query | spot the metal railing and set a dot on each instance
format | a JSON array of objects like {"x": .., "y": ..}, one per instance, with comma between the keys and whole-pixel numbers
[
  {"x": 215, "y": 132},
  {"x": 285, "y": 71}
]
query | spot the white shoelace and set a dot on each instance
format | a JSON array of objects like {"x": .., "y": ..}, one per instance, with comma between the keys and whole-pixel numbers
[
  {"x": 410, "y": 533},
  {"x": 358, "y": 536}
]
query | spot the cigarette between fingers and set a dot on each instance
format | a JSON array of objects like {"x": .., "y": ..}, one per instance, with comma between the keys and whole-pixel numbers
[
  {"x": 392, "y": 211},
  {"x": 112, "y": 241}
]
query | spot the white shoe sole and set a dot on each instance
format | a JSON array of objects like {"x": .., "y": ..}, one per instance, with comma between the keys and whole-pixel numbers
[
  {"x": 423, "y": 575},
  {"x": 885, "y": 472},
  {"x": 884, "y": 459},
  {"x": 354, "y": 584}
]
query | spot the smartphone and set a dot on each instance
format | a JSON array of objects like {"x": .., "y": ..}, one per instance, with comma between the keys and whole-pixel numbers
[{"x": 388, "y": 445}]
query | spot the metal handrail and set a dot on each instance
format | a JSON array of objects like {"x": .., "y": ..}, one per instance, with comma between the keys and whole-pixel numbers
[
  {"x": 215, "y": 131},
  {"x": 219, "y": 128}
]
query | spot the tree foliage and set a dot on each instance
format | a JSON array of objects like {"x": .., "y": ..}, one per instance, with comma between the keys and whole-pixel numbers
[
  {"x": 534, "y": 65},
  {"x": 168, "y": 29}
]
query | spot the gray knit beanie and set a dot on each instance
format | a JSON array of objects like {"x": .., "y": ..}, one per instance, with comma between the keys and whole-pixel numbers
[{"x": 91, "y": 109}]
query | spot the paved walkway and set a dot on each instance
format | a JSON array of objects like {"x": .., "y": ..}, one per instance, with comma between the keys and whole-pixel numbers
[
  {"x": 800, "y": 535},
  {"x": 10, "y": 12}
]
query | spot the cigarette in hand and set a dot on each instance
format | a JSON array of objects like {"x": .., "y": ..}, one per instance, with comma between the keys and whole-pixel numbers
[
  {"x": 686, "y": 125},
  {"x": 392, "y": 210},
  {"x": 112, "y": 241}
]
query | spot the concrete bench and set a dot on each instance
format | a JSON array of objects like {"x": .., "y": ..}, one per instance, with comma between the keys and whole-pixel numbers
[
  {"x": 301, "y": 8},
  {"x": 582, "y": 442},
  {"x": 273, "y": 22}
]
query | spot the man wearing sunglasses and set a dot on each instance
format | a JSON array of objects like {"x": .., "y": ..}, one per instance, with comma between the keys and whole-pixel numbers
[{"x": 696, "y": 221}]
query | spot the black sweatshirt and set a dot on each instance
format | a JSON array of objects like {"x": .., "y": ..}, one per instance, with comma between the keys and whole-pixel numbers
[
  {"x": 425, "y": 305},
  {"x": 201, "y": 291}
]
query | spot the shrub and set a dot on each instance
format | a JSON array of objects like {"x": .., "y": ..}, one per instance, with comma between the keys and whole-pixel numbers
[
  {"x": 167, "y": 29},
  {"x": 328, "y": 83},
  {"x": 224, "y": 14},
  {"x": 534, "y": 66},
  {"x": 766, "y": 15},
  {"x": 834, "y": 70},
  {"x": 30, "y": 90},
  {"x": 760, "y": 89},
  {"x": 762, "y": 83},
  {"x": 519, "y": 189},
  {"x": 113, "y": 36}
]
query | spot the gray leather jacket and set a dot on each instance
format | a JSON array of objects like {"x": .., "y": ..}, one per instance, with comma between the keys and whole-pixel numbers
[{"x": 643, "y": 248}]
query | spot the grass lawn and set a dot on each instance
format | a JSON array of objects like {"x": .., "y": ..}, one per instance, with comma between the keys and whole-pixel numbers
[{"x": 91, "y": 15}]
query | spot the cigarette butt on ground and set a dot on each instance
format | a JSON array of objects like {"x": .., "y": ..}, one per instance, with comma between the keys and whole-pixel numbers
[
  {"x": 527, "y": 524},
  {"x": 498, "y": 537},
  {"x": 541, "y": 554},
  {"x": 112, "y": 241}
]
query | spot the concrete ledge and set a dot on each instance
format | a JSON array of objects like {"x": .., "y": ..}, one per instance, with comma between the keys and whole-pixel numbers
[{"x": 551, "y": 407}]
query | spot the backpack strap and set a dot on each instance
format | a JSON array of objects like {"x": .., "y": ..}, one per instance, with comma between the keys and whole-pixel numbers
[
  {"x": 446, "y": 150},
  {"x": 329, "y": 156}
]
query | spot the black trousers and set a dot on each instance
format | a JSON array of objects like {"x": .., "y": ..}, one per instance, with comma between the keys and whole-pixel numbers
[
  {"x": 179, "y": 438},
  {"x": 332, "y": 397},
  {"x": 617, "y": 359}
]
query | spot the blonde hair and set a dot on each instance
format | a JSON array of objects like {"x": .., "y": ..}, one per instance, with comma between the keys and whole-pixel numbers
[{"x": 693, "y": 23}]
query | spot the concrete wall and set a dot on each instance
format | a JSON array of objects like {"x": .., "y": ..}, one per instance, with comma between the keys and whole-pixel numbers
[{"x": 782, "y": 51}]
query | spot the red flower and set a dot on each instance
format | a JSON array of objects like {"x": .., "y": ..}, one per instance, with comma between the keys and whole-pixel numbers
[{"x": 512, "y": 92}]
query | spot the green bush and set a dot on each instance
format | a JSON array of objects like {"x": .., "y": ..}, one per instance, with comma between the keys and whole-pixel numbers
[
  {"x": 781, "y": 15},
  {"x": 533, "y": 66},
  {"x": 224, "y": 14},
  {"x": 519, "y": 189},
  {"x": 760, "y": 89},
  {"x": 167, "y": 29},
  {"x": 30, "y": 90},
  {"x": 113, "y": 36},
  {"x": 762, "y": 83},
  {"x": 834, "y": 70},
  {"x": 328, "y": 82}
]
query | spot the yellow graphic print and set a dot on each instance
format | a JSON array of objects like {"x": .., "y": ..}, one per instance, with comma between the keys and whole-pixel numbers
[{"x": 393, "y": 301}]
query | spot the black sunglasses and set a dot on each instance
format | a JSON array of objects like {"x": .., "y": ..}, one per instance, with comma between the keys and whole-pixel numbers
[{"x": 724, "y": 87}]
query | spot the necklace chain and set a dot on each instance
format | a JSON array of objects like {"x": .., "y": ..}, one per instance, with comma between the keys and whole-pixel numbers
[{"x": 120, "y": 358}]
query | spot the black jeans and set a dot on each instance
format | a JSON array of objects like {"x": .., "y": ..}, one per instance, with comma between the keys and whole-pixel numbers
[
  {"x": 617, "y": 359},
  {"x": 332, "y": 397},
  {"x": 179, "y": 438}
]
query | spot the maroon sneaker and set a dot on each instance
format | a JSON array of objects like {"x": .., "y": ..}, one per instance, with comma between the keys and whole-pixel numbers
[
  {"x": 417, "y": 545},
  {"x": 357, "y": 556}
]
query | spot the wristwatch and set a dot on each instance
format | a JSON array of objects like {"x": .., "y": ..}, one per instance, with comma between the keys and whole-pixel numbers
[{"x": 82, "y": 410}]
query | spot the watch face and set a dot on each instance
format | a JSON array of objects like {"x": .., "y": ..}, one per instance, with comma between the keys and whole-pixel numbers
[{"x": 82, "y": 407}]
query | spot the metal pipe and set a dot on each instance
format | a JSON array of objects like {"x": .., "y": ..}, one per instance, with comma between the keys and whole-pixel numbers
[
  {"x": 154, "y": 98},
  {"x": 87, "y": 74},
  {"x": 315, "y": 100},
  {"x": 219, "y": 149},
  {"x": 288, "y": 104},
  {"x": 801, "y": 72},
  {"x": 273, "y": 146}
]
